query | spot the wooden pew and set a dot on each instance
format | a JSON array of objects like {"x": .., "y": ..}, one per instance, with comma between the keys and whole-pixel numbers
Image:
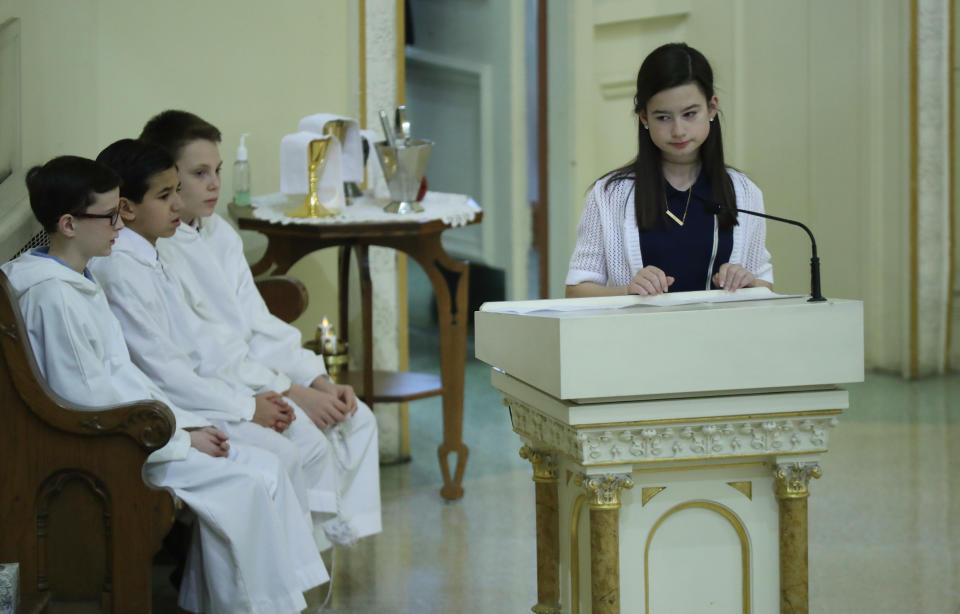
[{"x": 74, "y": 510}]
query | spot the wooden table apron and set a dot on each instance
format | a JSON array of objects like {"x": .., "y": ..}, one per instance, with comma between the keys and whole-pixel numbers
[{"x": 288, "y": 243}]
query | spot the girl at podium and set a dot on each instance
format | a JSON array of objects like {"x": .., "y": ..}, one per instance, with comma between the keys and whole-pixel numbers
[{"x": 663, "y": 222}]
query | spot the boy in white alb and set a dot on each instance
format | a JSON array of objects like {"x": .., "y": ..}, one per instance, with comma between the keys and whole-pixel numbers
[
  {"x": 193, "y": 357},
  {"x": 250, "y": 550},
  {"x": 208, "y": 249}
]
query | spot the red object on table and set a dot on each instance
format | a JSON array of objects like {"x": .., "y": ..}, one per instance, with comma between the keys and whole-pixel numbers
[{"x": 423, "y": 189}]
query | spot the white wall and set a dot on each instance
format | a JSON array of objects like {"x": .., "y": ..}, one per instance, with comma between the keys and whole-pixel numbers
[{"x": 94, "y": 71}]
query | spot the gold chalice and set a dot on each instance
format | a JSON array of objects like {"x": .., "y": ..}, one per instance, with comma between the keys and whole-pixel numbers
[
  {"x": 337, "y": 128},
  {"x": 316, "y": 161}
]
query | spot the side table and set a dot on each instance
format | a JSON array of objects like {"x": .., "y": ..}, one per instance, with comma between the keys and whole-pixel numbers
[{"x": 420, "y": 240}]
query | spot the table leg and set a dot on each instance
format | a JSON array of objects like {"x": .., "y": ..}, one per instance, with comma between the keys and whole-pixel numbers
[
  {"x": 450, "y": 280},
  {"x": 343, "y": 292},
  {"x": 280, "y": 255},
  {"x": 452, "y": 312},
  {"x": 366, "y": 307}
]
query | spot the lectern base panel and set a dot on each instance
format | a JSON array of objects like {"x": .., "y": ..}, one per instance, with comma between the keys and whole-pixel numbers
[
  {"x": 697, "y": 540},
  {"x": 698, "y": 510}
]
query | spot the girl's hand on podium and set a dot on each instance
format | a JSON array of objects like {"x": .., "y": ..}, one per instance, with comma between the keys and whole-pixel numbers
[
  {"x": 732, "y": 277},
  {"x": 649, "y": 281}
]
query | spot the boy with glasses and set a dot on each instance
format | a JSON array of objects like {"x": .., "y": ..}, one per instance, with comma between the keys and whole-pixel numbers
[{"x": 251, "y": 550}]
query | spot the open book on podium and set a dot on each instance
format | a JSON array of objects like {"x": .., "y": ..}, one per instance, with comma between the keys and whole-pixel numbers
[{"x": 717, "y": 405}]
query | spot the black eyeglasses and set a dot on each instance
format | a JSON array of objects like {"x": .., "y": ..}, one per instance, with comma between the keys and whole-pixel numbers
[{"x": 113, "y": 216}]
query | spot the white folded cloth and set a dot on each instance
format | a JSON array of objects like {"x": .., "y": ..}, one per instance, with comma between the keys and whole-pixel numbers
[
  {"x": 295, "y": 171},
  {"x": 376, "y": 183},
  {"x": 352, "y": 160}
]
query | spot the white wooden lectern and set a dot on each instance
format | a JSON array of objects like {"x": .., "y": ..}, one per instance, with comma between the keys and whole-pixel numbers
[{"x": 690, "y": 433}]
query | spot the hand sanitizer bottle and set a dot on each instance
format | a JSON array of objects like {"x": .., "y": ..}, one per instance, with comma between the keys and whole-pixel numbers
[{"x": 241, "y": 174}]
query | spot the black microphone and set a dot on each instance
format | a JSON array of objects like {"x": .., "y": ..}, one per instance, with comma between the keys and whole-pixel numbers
[{"x": 815, "y": 296}]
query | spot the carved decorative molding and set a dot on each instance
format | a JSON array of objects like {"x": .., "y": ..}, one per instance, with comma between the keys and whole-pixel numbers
[
  {"x": 149, "y": 424},
  {"x": 603, "y": 491},
  {"x": 791, "y": 479},
  {"x": 683, "y": 440},
  {"x": 544, "y": 463},
  {"x": 47, "y": 494},
  {"x": 536, "y": 426},
  {"x": 9, "y": 330}
]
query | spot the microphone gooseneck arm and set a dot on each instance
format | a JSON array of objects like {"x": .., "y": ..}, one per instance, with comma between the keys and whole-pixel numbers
[{"x": 815, "y": 295}]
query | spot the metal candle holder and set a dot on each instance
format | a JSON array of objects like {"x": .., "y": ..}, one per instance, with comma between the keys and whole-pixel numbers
[
  {"x": 334, "y": 351},
  {"x": 335, "y": 358}
]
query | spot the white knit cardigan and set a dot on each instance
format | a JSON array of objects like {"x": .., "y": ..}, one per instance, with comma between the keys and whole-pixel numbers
[{"x": 608, "y": 243}]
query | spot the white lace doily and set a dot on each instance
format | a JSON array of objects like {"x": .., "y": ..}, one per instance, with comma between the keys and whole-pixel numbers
[{"x": 451, "y": 209}]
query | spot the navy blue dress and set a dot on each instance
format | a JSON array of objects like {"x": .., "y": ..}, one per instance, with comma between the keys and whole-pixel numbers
[{"x": 684, "y": 252}]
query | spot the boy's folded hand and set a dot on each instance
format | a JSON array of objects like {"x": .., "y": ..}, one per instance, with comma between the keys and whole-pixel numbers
[
  {"x": 210, "y": 440},
  {"x": 342, "y": 391},
  {"x": 346, "y": 394},
  {"x": 324, "y": 408},
  {"x": 327, "y": 410},
  {"x": 272, "y": 412}
]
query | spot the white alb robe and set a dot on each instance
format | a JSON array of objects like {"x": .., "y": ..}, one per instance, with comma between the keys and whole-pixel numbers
[
  {"x": 250, "y": 551},
  {"x": 213, "y": 256},
  {"x": 185, "y": 351}
]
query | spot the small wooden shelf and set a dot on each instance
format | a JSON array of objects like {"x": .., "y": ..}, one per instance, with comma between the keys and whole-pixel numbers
[{"x": 394, "y": 386}]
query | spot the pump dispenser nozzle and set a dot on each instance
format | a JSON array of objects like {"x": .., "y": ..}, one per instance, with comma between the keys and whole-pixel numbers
[
  {"x": 242, "y": 149},
  {"x": 241, "y": 174}
]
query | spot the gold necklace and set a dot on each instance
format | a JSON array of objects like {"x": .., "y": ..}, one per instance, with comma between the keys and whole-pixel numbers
[{"x": 686, "y": 208}]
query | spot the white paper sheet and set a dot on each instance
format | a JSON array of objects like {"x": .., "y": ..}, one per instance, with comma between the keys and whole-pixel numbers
[{"x": 668, "y": 299}]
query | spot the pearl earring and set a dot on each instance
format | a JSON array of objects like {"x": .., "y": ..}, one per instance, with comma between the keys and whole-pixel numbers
[{"x": 711, "y": 119}]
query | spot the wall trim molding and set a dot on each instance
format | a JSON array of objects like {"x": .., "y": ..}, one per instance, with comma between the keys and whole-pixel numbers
[
  {"x": 912, "y": 368},
  {"x": 931, "y": 253},
  {"x": 625, "y": 11},
  {"x": 952, "y": 155},
  {"x": 612, "y": 88}
]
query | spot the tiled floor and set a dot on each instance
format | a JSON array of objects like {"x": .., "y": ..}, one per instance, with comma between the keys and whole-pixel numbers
[{"x": 884, "y": 518}]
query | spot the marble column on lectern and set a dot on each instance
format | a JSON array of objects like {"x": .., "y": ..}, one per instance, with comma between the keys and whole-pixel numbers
[
  {"x": 790, "y": 481},
  {"x": 548, "y": 529},
  {"x": 603, "y": 497}
]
